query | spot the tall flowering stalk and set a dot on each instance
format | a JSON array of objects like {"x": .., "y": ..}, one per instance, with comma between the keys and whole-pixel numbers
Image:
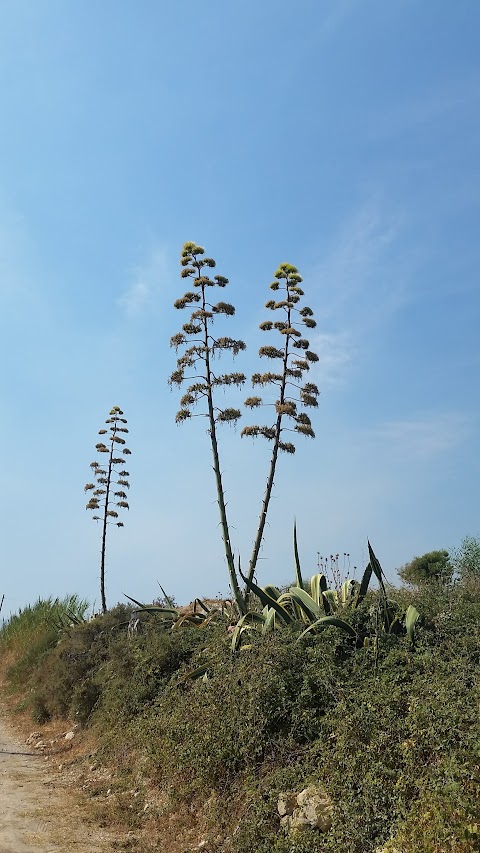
[
  {"x": 108, "y": 494},
  {"x": 200, "y": 349},
  {"x": 291, "y": 392}
]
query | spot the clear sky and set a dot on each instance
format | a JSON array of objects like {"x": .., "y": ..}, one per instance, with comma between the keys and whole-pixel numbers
[{"x": 342, "y": 136}]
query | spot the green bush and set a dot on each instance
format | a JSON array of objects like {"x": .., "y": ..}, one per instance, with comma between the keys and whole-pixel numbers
[{"x": 433, "y": 567}]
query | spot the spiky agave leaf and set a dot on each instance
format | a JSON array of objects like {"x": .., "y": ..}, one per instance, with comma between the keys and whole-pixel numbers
[
  {"x": 326, "y": 622},
  {"x": 364, "y": 584},
  {"x": 268, "y": 601},
  {"x": 298, "y": 571},
  {"x": 306, "y": 602},
  {"x": 273, "y": 591},
  {"x": 411, "y": 617},
  {"x": 318, "y": 585},
  {"x": 270, "y": 622},
  {"x": 195, "y": 674},
  {"x": 347, "y": 591},
  {"x": 166, "y": 597},
  {"x": 330, "y": 601},
  {"x": 152, "y": 608}
]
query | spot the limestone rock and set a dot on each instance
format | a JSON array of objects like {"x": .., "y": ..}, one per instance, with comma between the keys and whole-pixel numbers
[
  {"x": 317, "y": 807},
  {"x": 311, "y": 808},
  {"x": 299, "y": 821},
  {"x": 287, "y": 803}
]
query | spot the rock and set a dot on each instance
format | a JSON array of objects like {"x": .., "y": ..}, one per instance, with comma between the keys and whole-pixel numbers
[
  {"x": 69, "y": 735},
  {"x": 388, "y": 849},
  {"x": 33, "y": 737},
  {"x": 311, "y": 808},
  {"x": 39, "y": 745},
  {"x": 317, "y": 807},
  {"x": 287, "y": 803},
  {"x": 299, "y": 821}
]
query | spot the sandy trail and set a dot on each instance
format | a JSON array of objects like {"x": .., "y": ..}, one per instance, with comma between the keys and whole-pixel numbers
[{"x": 37, "y": 813}]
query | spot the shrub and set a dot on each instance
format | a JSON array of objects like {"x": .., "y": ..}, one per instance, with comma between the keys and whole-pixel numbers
[{"x": 434, "y": 566}]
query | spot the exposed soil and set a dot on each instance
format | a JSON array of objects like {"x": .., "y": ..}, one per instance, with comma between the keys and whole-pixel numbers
[{"x": 39, "y": 813}]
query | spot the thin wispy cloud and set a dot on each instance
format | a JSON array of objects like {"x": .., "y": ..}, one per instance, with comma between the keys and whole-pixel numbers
[
  {"x": 361, "y": 286},
  {"x": 335, "y": 352},
  {"x": 356, "y": 262},
  {"x": 425, "y": 437},
  {"x": 146, "y": 281}
]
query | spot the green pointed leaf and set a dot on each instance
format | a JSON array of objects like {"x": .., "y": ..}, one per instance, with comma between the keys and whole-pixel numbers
[
  {"x": 364, "y": 584},
  {"x": 298, "y": 571},
  {"x": 237, "y": 634},
  {"x": 153, "y": 608},
  {"x": 272, "y": 591},
  {"x": 167, "y": 599},
  {"x": 253, "y": 618},
  {"x": 318, "y": 585},
  {"x": 411, "y": 617},
  {"x": 375, "y": 564},
  {"x": 331, "y": 597},
  {"x": 269, "y": 624},
  {"x": 306, "y": 602},
  {"x": 134, "y": 600},
  {"x": 348, "y": 587},
  {"x": 194, "y": 674},
  {"x": 327, "y": 621},
  {"x": 266, "y": 599}
]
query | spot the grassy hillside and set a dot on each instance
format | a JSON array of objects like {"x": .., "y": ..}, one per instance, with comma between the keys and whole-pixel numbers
[{"x": 389, "y": 730}]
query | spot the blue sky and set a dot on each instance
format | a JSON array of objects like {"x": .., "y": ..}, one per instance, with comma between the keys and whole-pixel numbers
[{"x": 342, "y": 137}]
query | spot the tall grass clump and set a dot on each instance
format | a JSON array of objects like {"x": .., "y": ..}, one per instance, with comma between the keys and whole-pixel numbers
[{"x": 32, "y": 632}]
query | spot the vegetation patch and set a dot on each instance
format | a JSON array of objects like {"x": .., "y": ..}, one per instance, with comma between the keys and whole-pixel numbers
[{"x": 387, "y": 729}]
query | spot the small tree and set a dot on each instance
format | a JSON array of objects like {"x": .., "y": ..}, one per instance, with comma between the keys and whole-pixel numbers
[
  {"x": 291, "y": 393},
  {"x": 434, "y": 566},
  {"x": 108, "y": 494},
  {"x": 200, "y": 350},
  {"x": 466, "y": 560}
]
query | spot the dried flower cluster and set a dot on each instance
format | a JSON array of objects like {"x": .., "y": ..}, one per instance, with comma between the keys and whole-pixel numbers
[
  {"x": 292, "y": 395},
  {"x": 107, "y": 493},
  {"x": 201, "y": 346}
]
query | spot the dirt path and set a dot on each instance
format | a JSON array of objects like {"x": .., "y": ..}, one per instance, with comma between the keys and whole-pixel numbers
[{"x": 37, "y": 813}]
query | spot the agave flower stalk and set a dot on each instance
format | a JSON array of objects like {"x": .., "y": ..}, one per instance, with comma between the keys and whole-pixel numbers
[
  {"x": 291, "y": 392},
  {"x": 196, "y": 365},
  {"x": 108, "y": 495}
]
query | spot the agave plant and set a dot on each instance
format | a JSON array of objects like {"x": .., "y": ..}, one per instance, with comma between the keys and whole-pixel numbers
[
  {"x": 171, "y": 618},
  {"x": 309, "y": 608}
]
